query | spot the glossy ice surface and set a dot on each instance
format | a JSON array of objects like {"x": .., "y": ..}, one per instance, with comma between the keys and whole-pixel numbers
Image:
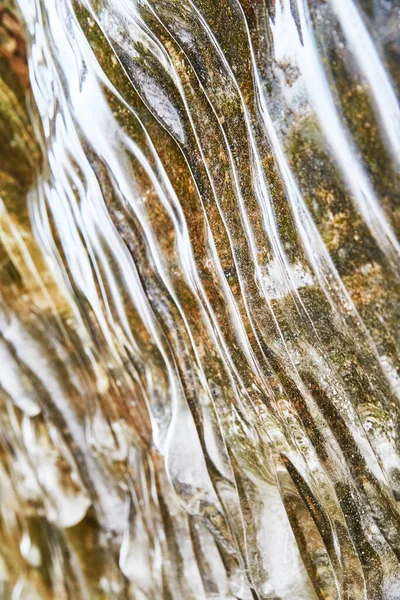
[{"x": 199, "y": 299}]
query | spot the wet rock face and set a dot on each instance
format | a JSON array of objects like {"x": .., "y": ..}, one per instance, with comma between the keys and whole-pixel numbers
[{"x": 199, "y": 300}]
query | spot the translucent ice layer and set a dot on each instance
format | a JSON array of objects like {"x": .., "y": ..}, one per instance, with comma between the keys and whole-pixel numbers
[{"x": 199, "y": 299}]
